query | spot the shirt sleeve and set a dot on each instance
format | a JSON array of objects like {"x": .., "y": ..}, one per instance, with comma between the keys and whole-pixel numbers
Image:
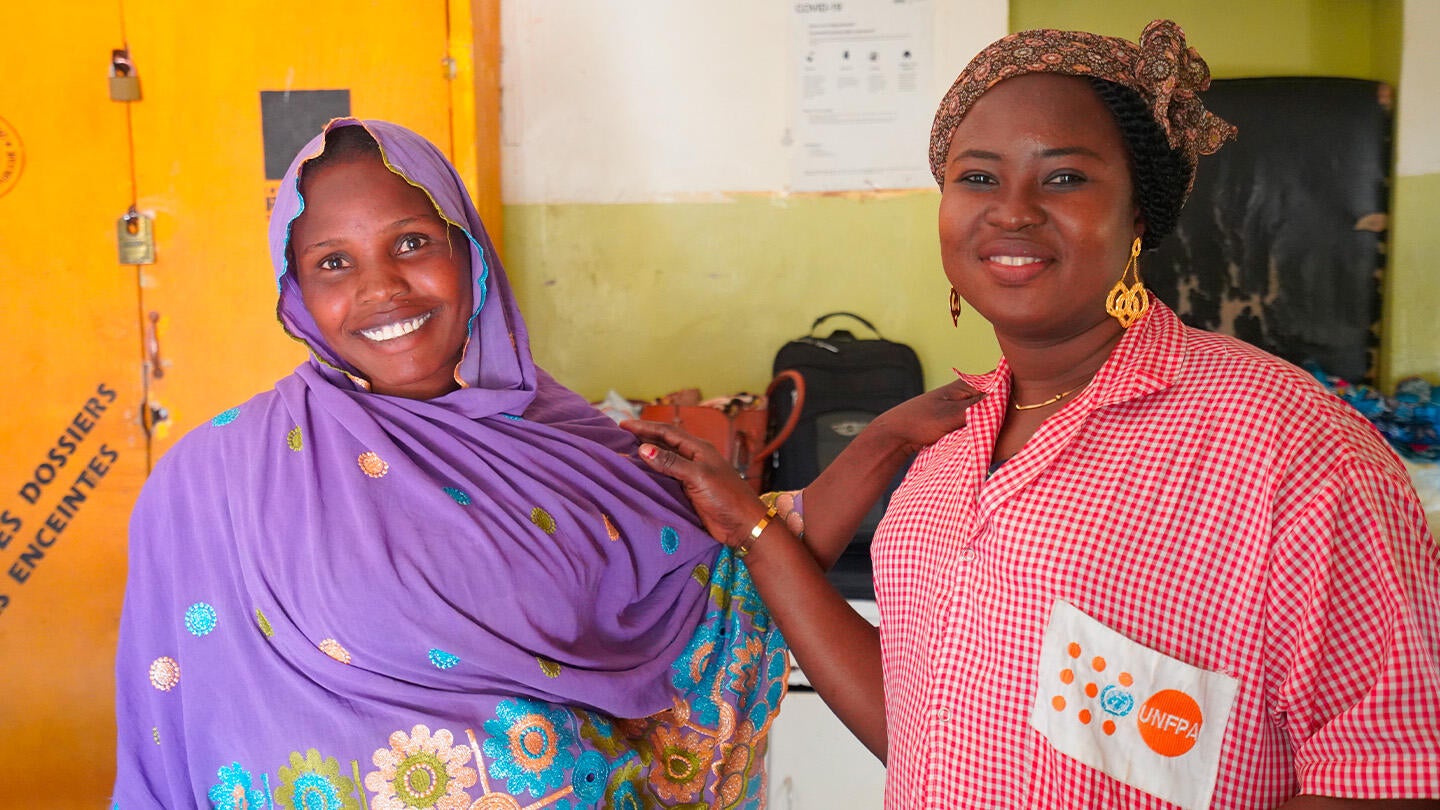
[{"x": 1354, "y": 637}]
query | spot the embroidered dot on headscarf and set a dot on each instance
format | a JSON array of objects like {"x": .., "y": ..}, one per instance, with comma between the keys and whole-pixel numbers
[
  {"x": 513, "y": 417},
  {"x": 543, "y": 519},
  {"x": 265, "y": 629},
  {"x": 457, "y": 495},
  {"x": 701, "y": 574},
  {"x": 372, "y": 465},
  {"x": 669, "y": 540},
  {"x": 225, "y": 417},
  {"x": 610, "y": 530},
  {"x": 442, "y": 659},
  {"x": 550, "y": 668},
  {"x": 294, "y": 440},
  {"x": 332, "y": 648},
  {"x": 164, "y": 673},
  {"x": 200, "y": 619}
]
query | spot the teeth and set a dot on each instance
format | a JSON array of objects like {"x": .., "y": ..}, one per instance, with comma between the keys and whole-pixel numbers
[
  {"x": 1015, "y": 261},
  {"x": 390, "y": 331}
]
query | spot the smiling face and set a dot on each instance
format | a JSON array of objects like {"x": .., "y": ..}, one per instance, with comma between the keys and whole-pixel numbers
[
  {"x": 1037, "y": 211},
  {"x": 385, "y": 277}
]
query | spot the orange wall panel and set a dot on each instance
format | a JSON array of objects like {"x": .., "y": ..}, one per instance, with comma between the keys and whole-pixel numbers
[
  {"x": 72, "y": 452},
  {"x": 97, "y": 347}
]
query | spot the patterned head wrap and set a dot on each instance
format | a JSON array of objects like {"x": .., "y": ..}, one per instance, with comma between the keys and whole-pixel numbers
[{"x": 1166, "y": 73}]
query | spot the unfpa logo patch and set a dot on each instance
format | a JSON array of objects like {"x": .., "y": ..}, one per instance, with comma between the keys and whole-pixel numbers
[
  {"x": 1168, "y": 721},
  {"x": 1141, "y": 716}
]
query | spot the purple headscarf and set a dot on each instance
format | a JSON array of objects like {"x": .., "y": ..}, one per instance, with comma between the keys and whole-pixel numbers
[{"x": 339, "y": 596}]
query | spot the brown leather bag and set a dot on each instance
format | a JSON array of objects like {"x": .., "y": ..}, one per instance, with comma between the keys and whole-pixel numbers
[{"x": 738, "y": 432}]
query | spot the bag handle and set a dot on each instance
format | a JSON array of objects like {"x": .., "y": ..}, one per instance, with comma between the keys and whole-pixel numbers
[
  {"x": 823, "y": 318},
  {"x": 794, "y": 419}
]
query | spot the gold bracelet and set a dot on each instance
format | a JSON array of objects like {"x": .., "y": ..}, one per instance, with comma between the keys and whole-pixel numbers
[{"x": 755, "y": 532}]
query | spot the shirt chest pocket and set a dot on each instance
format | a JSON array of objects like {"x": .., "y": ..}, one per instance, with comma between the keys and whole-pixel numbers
[{"x": 1141, "y": 717}]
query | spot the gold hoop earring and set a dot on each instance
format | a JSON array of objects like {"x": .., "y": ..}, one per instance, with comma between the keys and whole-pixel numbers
[
  {"x": 954, "y": 307},
  {"x": 1128, "y": 303}
]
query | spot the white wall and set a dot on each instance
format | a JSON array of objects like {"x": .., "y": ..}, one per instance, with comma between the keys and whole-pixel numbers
[
  {"x": 1417, "y": 137},
  {"x": 626, "y": 101}
]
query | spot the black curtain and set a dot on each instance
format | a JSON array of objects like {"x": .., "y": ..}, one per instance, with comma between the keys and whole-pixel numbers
[{"x": 1282, "y": 242}]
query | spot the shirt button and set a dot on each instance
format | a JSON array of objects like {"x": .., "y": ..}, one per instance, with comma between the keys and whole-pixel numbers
[
  {"x": 967, "y": 554},
  {"x": 943, "y": 714}
]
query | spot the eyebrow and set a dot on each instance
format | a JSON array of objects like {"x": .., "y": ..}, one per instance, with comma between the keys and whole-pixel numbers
[
  {"x": 1063, "y": 151},
  {"x": 1058, "y": 151},
  {"x": 324, "y": 243}
]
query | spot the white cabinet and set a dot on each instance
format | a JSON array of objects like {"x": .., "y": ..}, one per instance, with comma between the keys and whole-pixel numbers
[
  {"x": 814, "y": 762},
  {"x": 817, "y": 764}
]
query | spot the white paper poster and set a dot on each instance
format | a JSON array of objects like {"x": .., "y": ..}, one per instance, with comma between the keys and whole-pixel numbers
[{"x": 862, "y": 91}]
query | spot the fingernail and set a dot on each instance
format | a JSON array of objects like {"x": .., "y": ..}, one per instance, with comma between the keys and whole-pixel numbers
[{"x": 647, "y": 451}]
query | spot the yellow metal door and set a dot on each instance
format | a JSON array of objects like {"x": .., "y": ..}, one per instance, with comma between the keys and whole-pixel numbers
[
  {"x": 108, "y": 364},
  {"x": 72, "y": 453},
  {"x": 200, "y": 154}
]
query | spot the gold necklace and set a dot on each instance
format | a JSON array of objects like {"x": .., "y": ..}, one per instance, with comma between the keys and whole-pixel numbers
[{"x": 1050, "y": 401}]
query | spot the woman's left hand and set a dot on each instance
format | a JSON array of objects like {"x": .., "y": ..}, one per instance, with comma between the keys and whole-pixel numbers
[
  {"x": 839, "y": 650},
  {"x": 727, "y": 506}
]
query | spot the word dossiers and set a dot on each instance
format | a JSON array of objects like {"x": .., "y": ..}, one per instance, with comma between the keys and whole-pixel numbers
[{"x": 64, "y": 456}]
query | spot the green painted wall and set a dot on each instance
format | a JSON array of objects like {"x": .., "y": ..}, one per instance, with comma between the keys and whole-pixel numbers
[
  {"x": 1412, "y": 329},
  {"x": 1355, "y": 38},
  {"x": 650, "y": 298}
]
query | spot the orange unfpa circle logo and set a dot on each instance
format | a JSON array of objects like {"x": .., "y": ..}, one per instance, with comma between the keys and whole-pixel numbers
[
  {"x": 1170, "y": 722},
  {"x": 12, "y": 157}
]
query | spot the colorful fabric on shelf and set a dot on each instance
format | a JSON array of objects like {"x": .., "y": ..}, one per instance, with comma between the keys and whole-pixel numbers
[{"x": 1409, "y": 419}]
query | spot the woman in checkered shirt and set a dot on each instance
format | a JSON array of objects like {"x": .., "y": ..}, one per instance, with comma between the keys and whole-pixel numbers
[{"x": 1156, "y": 567}]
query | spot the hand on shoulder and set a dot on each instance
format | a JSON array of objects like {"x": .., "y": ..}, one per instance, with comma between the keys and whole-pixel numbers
[
  {"x": 923, "y": 420},
  {"x": 726, "y": 504}
]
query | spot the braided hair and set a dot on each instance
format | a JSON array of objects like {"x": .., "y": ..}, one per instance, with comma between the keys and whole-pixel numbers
[{"x": 1160, "y": 174}]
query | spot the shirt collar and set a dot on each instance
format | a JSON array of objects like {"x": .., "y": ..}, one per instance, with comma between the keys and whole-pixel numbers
[{"x": 1147, "y": 359}]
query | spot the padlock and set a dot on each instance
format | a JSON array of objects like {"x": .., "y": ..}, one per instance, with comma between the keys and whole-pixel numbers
[
  {"x": 124, "y": 81},
  {"x": 125, "y": 88},
  {"x": 135, "y": 233}
]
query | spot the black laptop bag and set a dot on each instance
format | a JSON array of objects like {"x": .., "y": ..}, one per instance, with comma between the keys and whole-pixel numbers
[{"x": 848, "y": 382}]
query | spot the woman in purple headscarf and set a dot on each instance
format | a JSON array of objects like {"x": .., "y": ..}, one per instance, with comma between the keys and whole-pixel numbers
[{"x": 419, "y": 572}]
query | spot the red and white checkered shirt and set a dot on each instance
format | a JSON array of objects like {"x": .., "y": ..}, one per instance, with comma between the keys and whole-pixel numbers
[{"x": 1206, "y": 501}]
